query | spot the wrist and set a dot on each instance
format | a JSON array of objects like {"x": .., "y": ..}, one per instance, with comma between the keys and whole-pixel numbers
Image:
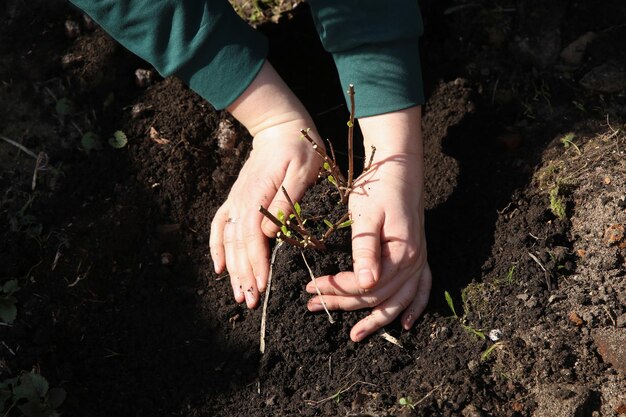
[
  {"x": 268, "y": 102},
  {"x": 398, "y": 132}
]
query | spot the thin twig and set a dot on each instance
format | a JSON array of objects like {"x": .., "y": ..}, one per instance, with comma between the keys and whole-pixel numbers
[
  {"x": 267, "y": 298},
  {"x": 19, "y": 146},
  {"x": 293, "y": 207},
  {"x": 319, "y": 293},
  {"x": 338, "y": 393},
  {"x": 546, "y": 274},
  {"x": 270, "y": 216},
  {"x": 431, "y": 392}
]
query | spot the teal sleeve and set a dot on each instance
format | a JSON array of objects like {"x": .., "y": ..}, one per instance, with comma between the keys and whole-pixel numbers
[
  {"x": 375, "y": 46},
  {"x": 203, "y": 42}
]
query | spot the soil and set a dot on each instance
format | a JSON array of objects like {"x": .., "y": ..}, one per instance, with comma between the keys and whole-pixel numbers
[{"x": 526, "y": 217}]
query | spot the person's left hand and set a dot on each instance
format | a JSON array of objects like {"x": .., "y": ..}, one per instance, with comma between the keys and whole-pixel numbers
[{"x": 391, "y": 274}]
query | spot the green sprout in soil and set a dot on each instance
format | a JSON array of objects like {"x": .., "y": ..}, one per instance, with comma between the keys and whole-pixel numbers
[
  {"x": 568, "y": 140},
  {"x": 557, "y": 202},
  {"x": 293, "y": 229},
  {"x": 31, "y": 394},
  {"x": 487, "y": 353},
  {"x": 118, "y": 140},
  {"x": 462, "y": 319},
  {"x": 407, "y": 402},
  {"x": 8, "y": 310}
]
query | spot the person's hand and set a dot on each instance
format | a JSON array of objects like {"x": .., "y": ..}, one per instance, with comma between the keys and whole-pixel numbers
[
  {"x": 239, "y": 232},
  {"x": 391, "y": 274}
]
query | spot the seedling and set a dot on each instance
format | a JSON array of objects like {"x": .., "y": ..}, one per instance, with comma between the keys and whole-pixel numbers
[
  {"x": 31, "y": 395},
  {"x": 487, "y": 353},
  {"x": 557, "y": 203},
  {"x": 91, "y": 142},
  {"x": 118, "y": 140},
  {"x": 568, "y": 140},
  {"x": 64, "y": 107},
  {"x": 478, "y": 333},
  {"x": 407, "y": 402},
  {"x": 8, "y": 310}
]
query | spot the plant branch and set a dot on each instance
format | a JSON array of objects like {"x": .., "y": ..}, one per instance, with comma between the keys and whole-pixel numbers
[
  {"x": 351, "y": 139},
  {"x": 295, "y": 212}
]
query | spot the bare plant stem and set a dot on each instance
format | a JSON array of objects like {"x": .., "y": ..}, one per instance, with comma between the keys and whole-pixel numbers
[
  {"x": 351, "y": 139},
  {"x": 293, "y": 208},
  {"x": 319, "y": 293},
  {"x": 340, "y": 182}
]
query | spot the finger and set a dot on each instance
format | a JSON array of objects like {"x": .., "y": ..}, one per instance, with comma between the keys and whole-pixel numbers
[
  {"x": 366, "y": 247},
  {"x": 418, "y": 305},
  {"x": 216, "y": 239},
  {"x": 343, "y": 283},
  {"x": 257, "y": 248},
  {"x": 295, "y": 184},
  {"x": 347, "y": 282},
  {"x": 386, "y": 312},
  {"x": 231, "y": 261},
  {"x": 369, "y": 298},
  {"x": 243, "y": 266}
]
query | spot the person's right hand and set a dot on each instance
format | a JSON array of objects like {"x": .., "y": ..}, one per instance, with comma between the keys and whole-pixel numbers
[{"x": 239, "y": 232}]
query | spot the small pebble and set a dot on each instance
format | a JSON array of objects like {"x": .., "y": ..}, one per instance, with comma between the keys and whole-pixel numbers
[
  {"x": 167, "y": 259},
  {"x": 495, "y": 335}
]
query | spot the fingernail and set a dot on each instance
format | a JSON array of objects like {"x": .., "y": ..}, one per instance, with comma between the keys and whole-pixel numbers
[
  {"x": 359, "y": 336},
  {"x": 315, "y": 306},
  {"x": 311, "y": 289},
  {"x": 408, "y": 321},
  {"x": 259, "y": 282},
  {"x": 366, "y": 278},
  {"x": 237, "y": 292},
  {"x": 250, "y": 298}
]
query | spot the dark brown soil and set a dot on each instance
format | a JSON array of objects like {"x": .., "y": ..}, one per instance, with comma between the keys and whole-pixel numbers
[{"x": 118, "y": 302}]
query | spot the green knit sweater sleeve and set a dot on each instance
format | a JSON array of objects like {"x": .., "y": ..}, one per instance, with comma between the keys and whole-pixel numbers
[
  {"x": 375, "y": 46},
  {"x": 203, "y": 42}
]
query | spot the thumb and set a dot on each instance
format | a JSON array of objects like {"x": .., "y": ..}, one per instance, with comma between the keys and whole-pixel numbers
[{"x": 366, "y": 251}]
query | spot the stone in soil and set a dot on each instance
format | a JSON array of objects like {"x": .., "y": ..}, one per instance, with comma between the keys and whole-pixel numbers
[{"x": 611, "y": 344}]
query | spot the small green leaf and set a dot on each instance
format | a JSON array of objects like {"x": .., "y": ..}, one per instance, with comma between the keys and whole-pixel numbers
[
  {"x": 403, "y": 401},
  {"x": 34, "y": 408},
  {"x": 8, "y": 311},
  {"x": 285, "y": 231},
  {"x": 10, "y": 287},
  {"x": 328, "y": 223},
  {"x": 347, "y": 223},
  {"x": 64, "y": 107},
  {"x": 90, "y": 142},
  {"x": 56, "y": 397},
  {"x": 350, "y": 124},
  {"x": 298, "y": 209},
  {"x": 332, "y": 180},
  {"x": 327, "y": 166},
  {"x": 31, "y": 386},
  {"x": 485, "y": 355},
  {"x": 118, "y": 140},
  {"x": 477, "y": 333},
  {"x": 281, "y": 216},
  {"x": 450, "y": 303}
]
